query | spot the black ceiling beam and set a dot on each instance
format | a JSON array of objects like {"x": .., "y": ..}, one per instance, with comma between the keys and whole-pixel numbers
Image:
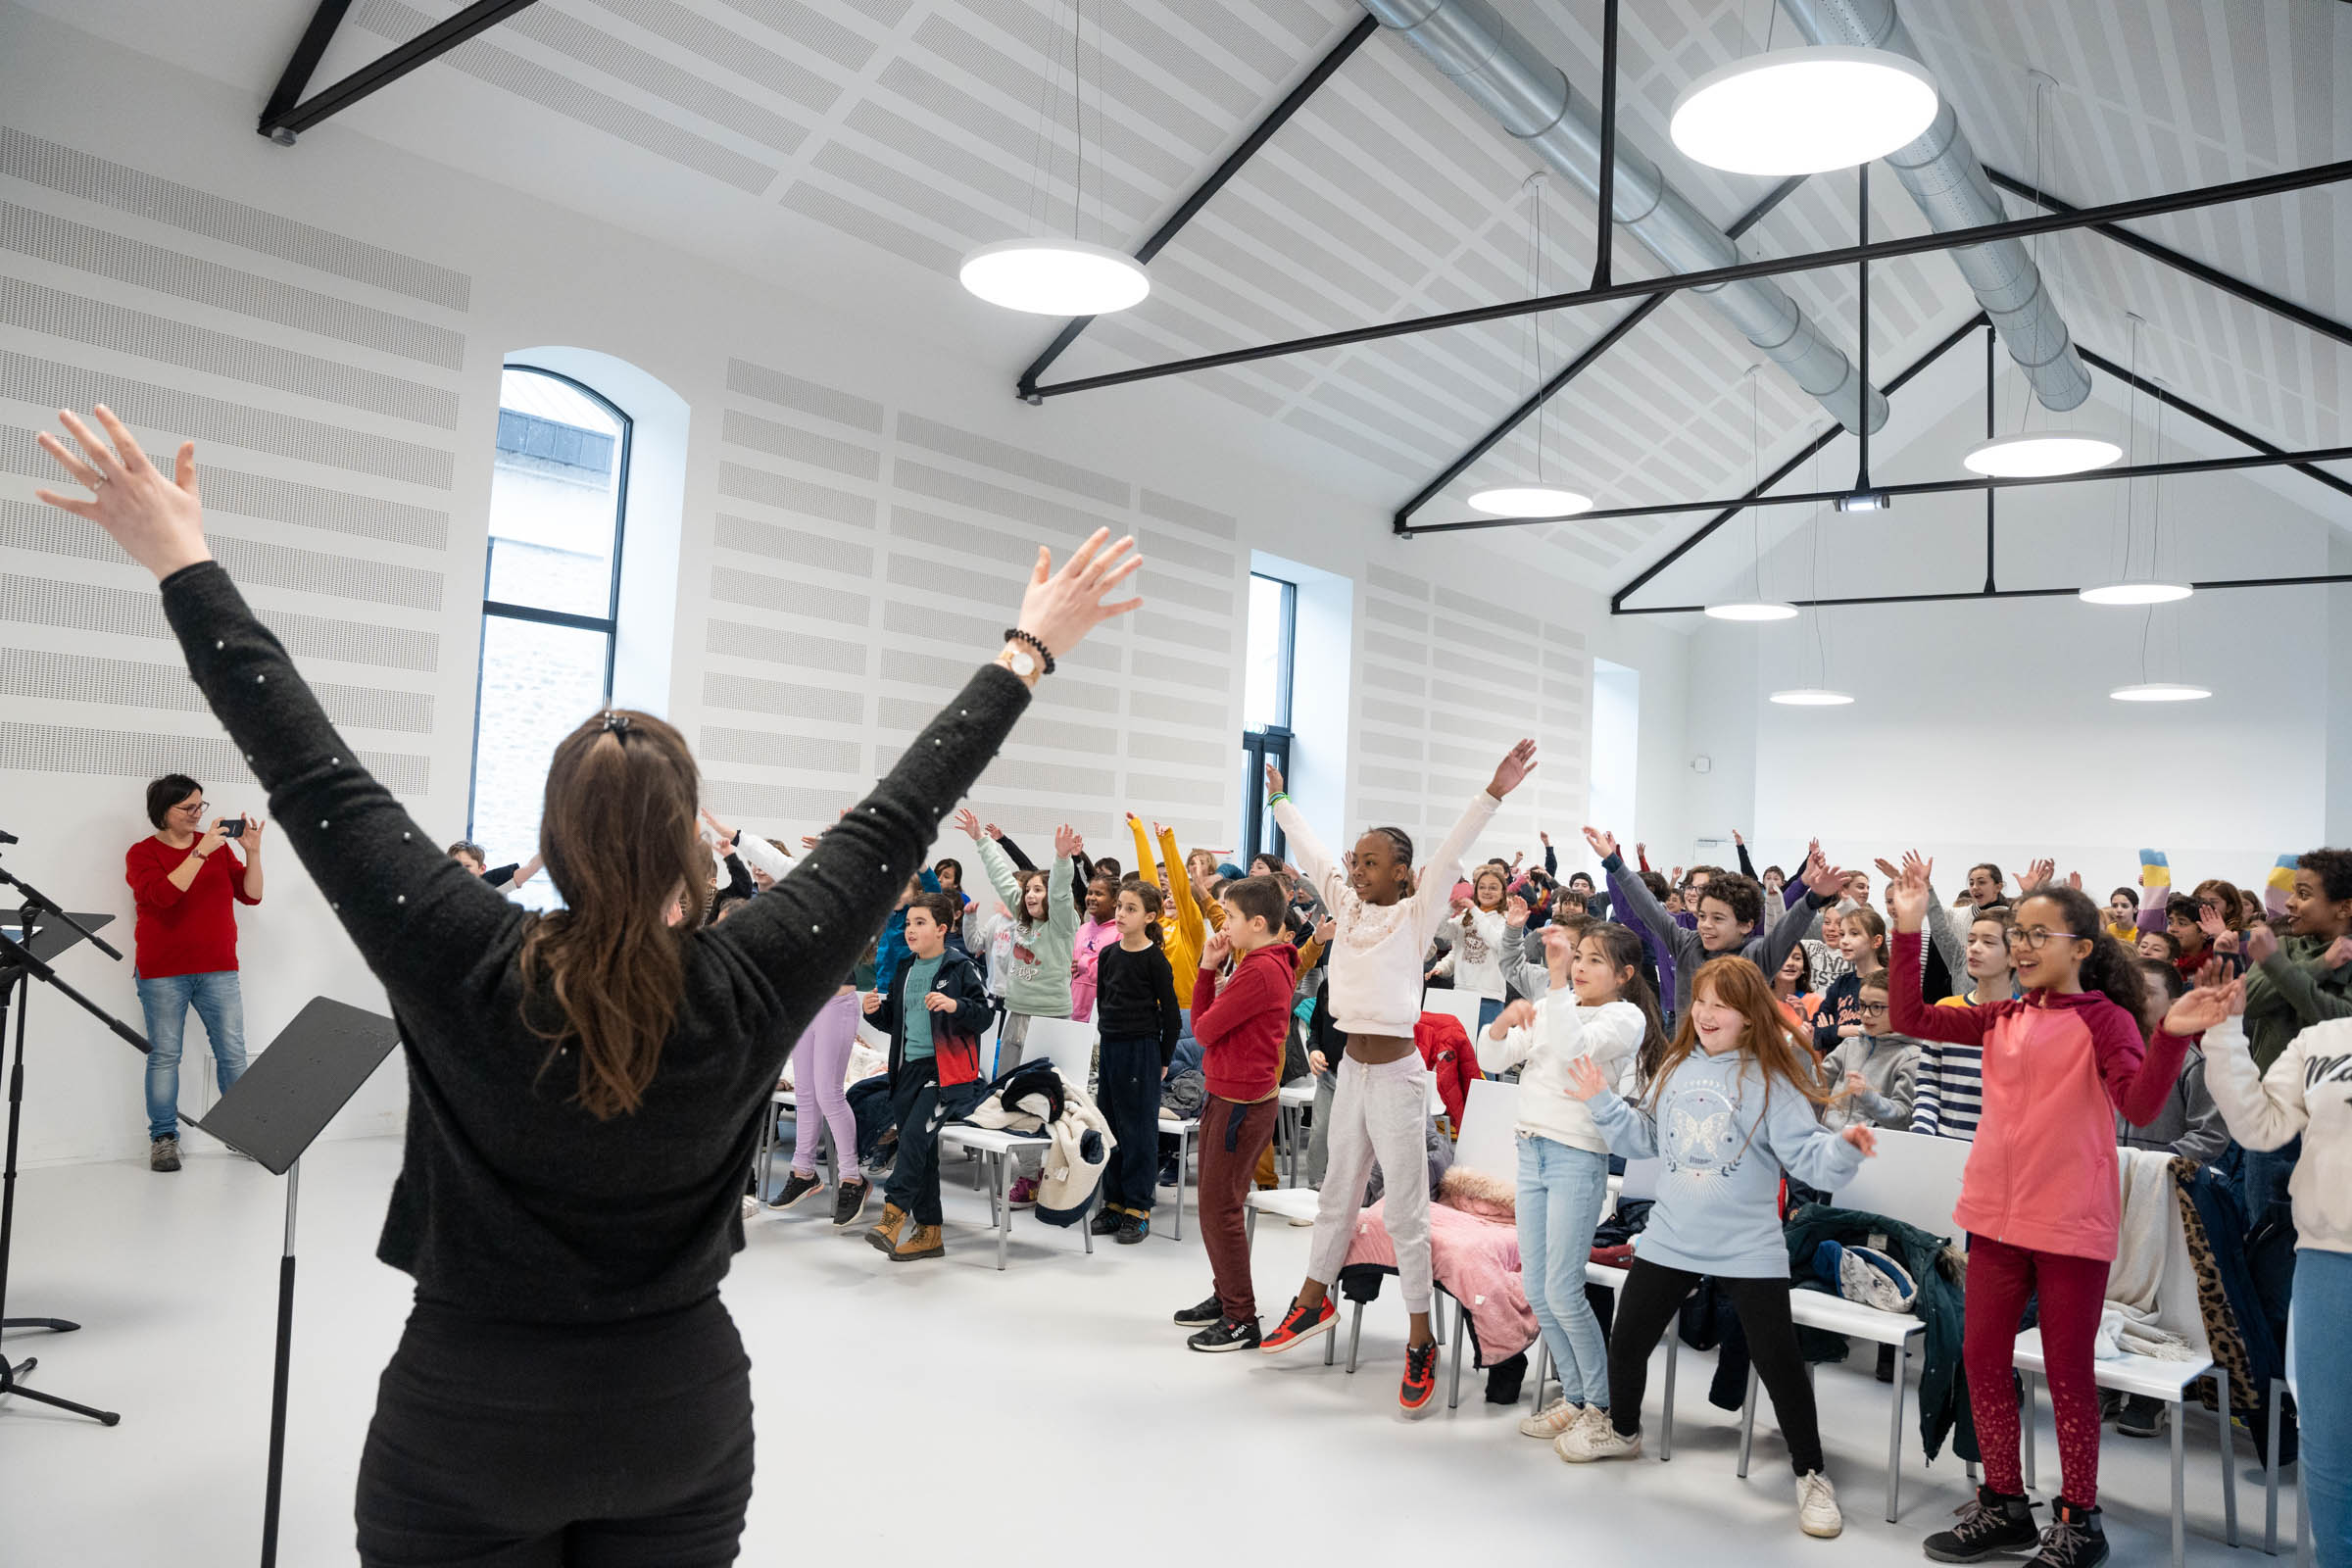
[
  {"x": 2212, "y": 420},
  {"x": 296, "y": 76},
  {"x": 2204, "y": 273},
  {"x": 1577, "y": 366},
  {"x": 1957, "y": 335},
  {"x": 1919, "y": 487},
  {"x": 1998, "y": 593},
  {"x": 2238, "y": 190},
  {"x": 282, "y": 122},
  {"x": 1365, "y": 27}
]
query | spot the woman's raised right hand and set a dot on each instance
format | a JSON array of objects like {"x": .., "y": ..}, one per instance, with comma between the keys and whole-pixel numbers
[{"x": 1060, "y": 608}]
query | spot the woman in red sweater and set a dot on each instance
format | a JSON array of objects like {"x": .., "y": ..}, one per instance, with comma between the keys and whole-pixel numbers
[
  {"x": 184, "y": 949},
  {"x": 2040, "y": 1198}
]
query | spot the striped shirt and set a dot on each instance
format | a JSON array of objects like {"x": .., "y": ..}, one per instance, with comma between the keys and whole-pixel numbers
[{"x": 1949, "y": 1099}]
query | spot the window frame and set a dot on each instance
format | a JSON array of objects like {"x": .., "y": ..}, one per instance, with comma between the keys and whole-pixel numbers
[
  {"x": 1270, "y": 743},
  {"x": 607, "y": 625}
]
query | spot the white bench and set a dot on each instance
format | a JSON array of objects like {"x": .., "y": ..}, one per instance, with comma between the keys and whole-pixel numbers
[
  {"x": 1914, "y": 1178},
  {"x": 1066, "y": 1045}
]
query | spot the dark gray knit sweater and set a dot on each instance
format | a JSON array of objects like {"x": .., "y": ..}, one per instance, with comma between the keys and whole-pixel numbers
[{"x": 513, "y": 1203}]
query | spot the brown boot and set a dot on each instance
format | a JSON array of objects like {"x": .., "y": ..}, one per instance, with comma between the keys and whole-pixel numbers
[
  {"x": 923, "y": 1240},
  {"x": 885, "y": 1235}
]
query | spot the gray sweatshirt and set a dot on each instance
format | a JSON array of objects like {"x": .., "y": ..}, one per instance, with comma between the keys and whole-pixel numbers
[{"x": 1889, "y": 1064}]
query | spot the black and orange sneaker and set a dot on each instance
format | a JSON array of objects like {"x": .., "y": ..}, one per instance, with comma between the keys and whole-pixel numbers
[
  {"x": 1300, "y": 1324},
  {"x": 1420, "y": 1385}
]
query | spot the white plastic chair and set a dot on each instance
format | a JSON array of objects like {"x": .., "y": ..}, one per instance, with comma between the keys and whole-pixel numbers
[
  {"x": 1488, "y": 1142},
  {"x": 1914, "y": 1178},
  {"x": 2177, "y": 1312},
  {"x": 1057, "y": 1042},
  {"x": 1455, "y": 1003}
]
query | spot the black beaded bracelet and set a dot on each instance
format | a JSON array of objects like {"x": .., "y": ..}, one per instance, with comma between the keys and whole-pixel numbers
[{"x": 1015, "y": 634}]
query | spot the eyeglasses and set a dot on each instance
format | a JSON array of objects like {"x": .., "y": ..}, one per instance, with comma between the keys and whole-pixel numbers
[
  {"x": 1871, "y": 1010},
  {"x": 197, "y": 809},
  {"x": 2035, "y": 937}
]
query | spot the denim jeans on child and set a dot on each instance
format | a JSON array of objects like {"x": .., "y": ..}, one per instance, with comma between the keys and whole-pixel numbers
[
  {"x": 1561, "y": 1187},
  {"x": 219, "y": 1002},
  {"x": 2322, "y": 1362}
]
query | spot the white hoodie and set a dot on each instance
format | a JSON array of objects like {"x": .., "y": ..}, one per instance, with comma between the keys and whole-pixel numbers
[{"x": 1610, "y": 1034}]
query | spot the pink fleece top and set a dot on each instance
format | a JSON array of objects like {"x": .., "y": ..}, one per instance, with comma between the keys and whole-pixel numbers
[
  {"x": 1085, "y": 952},
  {"x": 2058, "y": 1069}
]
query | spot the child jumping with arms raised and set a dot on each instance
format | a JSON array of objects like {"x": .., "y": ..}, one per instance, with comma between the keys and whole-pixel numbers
[{"x": 1379, "y": 1101}]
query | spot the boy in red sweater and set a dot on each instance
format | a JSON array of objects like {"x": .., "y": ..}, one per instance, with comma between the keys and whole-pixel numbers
[{"x": 1242, "y": 1027}]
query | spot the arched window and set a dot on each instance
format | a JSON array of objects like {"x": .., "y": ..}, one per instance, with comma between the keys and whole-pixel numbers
[{"x": 550, "y": 598}]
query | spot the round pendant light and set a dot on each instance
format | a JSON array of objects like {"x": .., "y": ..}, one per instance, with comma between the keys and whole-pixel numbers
[
  {"x": 2159, "y": 691},
  {"x": 1812, "y": 697},
  {"x": 1055, "y": 277},
  {"x": 1530, "y": 501},
  {"x": 2135, "y": 593},
  {"x": 2037, "y": 454},
  {"x": 1803, "y": 110},
  {"x": 1753, "y": 610}
]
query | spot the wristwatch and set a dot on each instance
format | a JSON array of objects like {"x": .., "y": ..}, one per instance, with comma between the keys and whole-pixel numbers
[{"x": 1024, "y": 663}]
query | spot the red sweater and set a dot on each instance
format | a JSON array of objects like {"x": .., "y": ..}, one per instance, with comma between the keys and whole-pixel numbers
[
  {"x": 1242, "y": 1027},
  {"x": 183, "y": 932}
]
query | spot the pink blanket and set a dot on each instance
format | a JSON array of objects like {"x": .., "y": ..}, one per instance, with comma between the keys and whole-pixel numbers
[{"x": 1477, "y": 1262}]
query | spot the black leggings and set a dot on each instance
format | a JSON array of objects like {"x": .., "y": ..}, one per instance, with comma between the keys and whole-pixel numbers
[
  {"x": 537, "y": 1445},
  {"x": 1647, "y": 1305}
]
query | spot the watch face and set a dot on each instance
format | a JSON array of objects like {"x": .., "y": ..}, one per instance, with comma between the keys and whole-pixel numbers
[{"x": 1024, "y": 661}]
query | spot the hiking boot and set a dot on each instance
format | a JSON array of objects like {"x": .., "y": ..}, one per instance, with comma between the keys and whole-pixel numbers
[
  {"x": 849, "y": 1201},
  {"x": 885, "y": 1235},
  {"x": 923, "y": 1240},
  {"x": 1590, "y": 1441},
  {"x": 2075, "y": 1538},
  {"x": 2141, "y": 1416},
  {"x": 163, "y": 1153},
  {"x": 1552, "y": 1420},
  {"x": 1209, "y": 1314},
  {"x": 1104, "y": 1223},
  {"x": 1817, "y": 1505},
  {"x": 796, "y": 1187},
  {"x": 1993, "y": 1525},
  {"x": 1301, "y": 1323},
  {"x": 1133, "y": 1228},
  {"x": 1420, "y": 1384},
  {"x": 1226, "y": 1335}
]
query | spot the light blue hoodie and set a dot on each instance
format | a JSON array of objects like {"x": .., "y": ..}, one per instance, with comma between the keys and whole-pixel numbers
[{"x": 1718, "y": 1205}]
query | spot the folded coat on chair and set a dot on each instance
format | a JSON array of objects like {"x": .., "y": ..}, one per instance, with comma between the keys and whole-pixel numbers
[
  {"x": 1473, "y": 1254},
  {"x": 1040, "y": 1097}
]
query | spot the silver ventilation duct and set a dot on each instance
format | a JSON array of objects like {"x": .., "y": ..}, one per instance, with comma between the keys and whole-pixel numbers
[
  {"x": 1495, "y": 66},
  {"x": 1941, "y": 173}
]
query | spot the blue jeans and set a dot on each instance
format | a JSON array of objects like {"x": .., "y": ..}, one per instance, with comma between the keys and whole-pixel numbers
[
  {"x": 1560, "y": 1191},
  {"x": 166, "y": 1001},
  {"x": 2323, "y": 1367}
]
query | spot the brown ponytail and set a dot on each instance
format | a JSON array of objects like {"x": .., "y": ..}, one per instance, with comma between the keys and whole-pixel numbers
[{"x": 618, "y": 836}]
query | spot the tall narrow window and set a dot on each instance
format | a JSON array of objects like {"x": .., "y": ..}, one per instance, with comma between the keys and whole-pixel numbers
[
  {"x": 552, "y": 588},
  {"x": 1266, "y": 706}
]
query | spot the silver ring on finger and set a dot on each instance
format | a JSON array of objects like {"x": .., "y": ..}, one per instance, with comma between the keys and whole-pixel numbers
[{"x": 100, "y": 482}]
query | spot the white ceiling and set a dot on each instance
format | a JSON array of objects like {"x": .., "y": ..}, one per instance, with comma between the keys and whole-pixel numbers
[{"x": 914, "y": 128}]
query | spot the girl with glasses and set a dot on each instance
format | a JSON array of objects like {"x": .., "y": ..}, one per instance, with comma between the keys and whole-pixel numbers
[{"x": 2039, "y": 1200}]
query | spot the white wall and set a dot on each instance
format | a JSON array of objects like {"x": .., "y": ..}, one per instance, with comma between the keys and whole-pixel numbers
[{"x": 857, "y": 510}]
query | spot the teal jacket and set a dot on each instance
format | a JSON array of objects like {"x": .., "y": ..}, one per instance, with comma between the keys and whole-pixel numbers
[{"x": 1942, "y": 1383}]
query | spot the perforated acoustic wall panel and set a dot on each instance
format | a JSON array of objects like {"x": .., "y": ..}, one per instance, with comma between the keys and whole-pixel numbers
[
  {"x": 864, "y": 552},
  {"x": 1450, "y": 683},
  {"x": 318, "y": 374}
]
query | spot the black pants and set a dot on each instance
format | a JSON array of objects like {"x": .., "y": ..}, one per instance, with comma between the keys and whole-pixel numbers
[
  {"x": 1130, "y": 1102},
  {"x": 1647, "y": 1305},
  {"x": 532, "y": 1446},
  {"x": 922, "y": 1108}
]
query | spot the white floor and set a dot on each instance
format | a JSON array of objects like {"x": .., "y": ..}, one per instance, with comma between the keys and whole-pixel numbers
[{"x": 1047, "y": 1413}]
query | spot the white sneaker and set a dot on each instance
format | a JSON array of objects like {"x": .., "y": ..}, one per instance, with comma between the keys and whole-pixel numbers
[
  {"x": 1591, "y": 1439},
  {"x": 1552, "y": 1420},
  {"x": 1817, "y": 1505},
  {"x": 751, "y": 1206}
]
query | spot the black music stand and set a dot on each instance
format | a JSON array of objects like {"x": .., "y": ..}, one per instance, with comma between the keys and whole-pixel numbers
[
  {"x": 24, "y": 957},
  {"x": 273, "y": 1114}
]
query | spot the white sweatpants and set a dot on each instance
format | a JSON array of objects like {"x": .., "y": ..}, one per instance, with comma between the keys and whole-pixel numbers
[{"x": 1379, "y": 1110}]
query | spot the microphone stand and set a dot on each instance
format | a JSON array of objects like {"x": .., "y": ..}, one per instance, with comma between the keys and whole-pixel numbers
[{"x": 19, "y": 968}]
